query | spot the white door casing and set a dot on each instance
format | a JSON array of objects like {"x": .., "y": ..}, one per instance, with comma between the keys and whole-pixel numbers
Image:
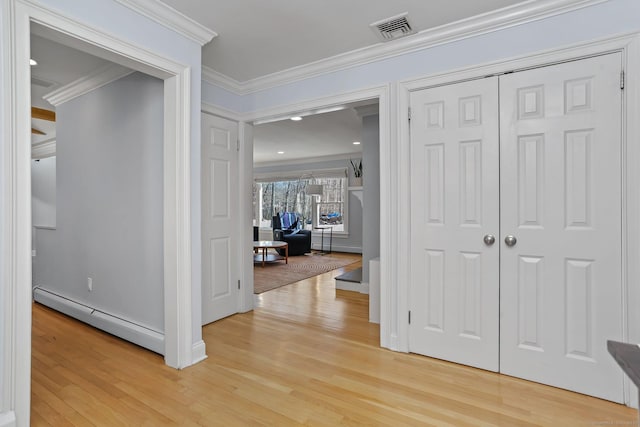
[
  {"x": 220, "y": 239},
  {"x": 561, "y": 197},
  {"x": 454, "y": 204}
]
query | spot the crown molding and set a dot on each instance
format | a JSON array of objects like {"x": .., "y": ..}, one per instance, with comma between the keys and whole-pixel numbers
[
  {"x": 98, "y": 78},
  {"x": 522, "y": 13},
  {"x": 222, "y": 80},
  {"x": 43, "y": 150},
  {"x": 221, "y": 112},
  {"x": 167, "y": 16},
  {"x": 307, "y": 160}
]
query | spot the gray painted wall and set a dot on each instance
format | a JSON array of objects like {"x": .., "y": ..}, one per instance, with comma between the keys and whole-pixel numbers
[
  {"x": 109, "y": 202},
  {"x": 43, "y": 192},
  {"x": 350, "y": 243},
  {"x": 371, "y": 188}
]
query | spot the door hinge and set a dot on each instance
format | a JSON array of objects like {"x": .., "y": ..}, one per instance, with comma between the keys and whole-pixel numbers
[
  {"x": 409, "y": 113},
  {"x": 409, "y": 316},
  {"x": 238, "y": 283},
  {"x": 622, "y": 80}
]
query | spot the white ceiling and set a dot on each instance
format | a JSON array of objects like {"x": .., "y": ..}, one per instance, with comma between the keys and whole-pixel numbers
[
  {"x": 319, "y": 135},
  {"x": 258, "y": 37}
]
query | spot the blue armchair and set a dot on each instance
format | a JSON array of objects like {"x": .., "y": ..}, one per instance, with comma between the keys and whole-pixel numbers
[{"x": 287, "y": 228}]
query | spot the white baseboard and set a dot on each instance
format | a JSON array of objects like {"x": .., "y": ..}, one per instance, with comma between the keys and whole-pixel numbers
[
  {"x": 8, "y": 419},
  {"x": 198, "y": 352},
  {"x": 124, "y": 329},
  {"x": 363, "y": 288}
]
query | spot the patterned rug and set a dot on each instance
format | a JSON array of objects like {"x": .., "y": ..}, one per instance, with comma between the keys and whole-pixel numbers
[{"x": 276, "y": 274}]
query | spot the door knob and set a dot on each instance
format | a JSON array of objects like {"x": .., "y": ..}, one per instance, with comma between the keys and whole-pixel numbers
[
  {"x": 510, "y": 240},
  {"x": 489, "y": 239}
]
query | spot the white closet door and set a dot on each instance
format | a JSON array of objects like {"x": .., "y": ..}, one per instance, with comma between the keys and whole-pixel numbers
[
  {"x": 560, "y": 165},
  {"x": 454, "y": 204},
  {"x": 220, "y": 237}
]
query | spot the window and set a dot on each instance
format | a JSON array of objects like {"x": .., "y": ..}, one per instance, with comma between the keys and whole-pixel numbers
[{"x": 283, "y": 194}]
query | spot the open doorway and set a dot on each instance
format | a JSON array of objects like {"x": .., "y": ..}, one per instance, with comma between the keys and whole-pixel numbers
[
  {"x": 310, "y": 169},
  {"x": 179, "y": 334},
  {"x": 97, "y": 192}
]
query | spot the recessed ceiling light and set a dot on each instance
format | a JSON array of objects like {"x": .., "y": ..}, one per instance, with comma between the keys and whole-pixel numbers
[
  {"x": 356, "y": 142},
  {"x": 280, "y": 152},
  {"x": 296, "y": 118},
  {"x": 33, "y": 62}
]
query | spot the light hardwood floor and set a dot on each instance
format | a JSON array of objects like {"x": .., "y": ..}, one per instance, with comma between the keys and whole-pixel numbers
[{"x": 306, "y": 356}]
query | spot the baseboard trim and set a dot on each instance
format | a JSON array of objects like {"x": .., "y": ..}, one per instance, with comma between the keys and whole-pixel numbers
[
  {"x": 124, "y": 329},
  {"x": 342, "y": 285},
  {"x": 198, "y": 352},
  {"x": 8, "y": 419}
]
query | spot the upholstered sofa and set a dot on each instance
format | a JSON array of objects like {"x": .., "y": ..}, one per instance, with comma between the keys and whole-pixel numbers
[{"x": 299, "y": 240}]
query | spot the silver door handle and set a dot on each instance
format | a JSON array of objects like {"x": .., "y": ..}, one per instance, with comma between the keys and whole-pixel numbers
[
  {"x": 489, "y": 239},
  {"x": 510, "y": 240}
]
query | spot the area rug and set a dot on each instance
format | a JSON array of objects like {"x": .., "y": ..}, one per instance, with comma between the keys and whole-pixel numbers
[{"x": 276, "y": 274}]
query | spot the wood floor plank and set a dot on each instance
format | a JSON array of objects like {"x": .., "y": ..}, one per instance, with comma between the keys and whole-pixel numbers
[{"x": 306, "y": 355}]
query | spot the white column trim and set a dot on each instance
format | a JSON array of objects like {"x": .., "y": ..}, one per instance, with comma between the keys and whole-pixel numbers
[{"x": 245, "y": 170}]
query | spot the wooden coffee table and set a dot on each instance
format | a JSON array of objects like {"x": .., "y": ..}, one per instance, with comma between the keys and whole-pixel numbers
[{"x": 270, "y": 244}]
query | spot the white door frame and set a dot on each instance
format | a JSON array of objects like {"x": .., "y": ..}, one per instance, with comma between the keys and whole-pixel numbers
[
  {"x": 16, "y": 226},
  {"x": 387, "y": 208},
  {"x": 629, "y": 46}
]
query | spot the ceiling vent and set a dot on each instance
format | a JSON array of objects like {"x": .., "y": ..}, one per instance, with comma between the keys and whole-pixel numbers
[{"x": 392, "y": 28}]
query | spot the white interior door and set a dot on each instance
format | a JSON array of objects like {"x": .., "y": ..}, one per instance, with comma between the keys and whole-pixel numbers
[
  {"x": 220, "y": 234},
  {"x": 454, "y": 204},
  {"x": 561, "y": 199}
]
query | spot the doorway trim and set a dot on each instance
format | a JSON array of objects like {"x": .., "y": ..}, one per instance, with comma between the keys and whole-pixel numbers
[
  {"x": 629, "y": 46},
  {"x": 388, "y": 209},
  {"x": 16, "y": 226}
]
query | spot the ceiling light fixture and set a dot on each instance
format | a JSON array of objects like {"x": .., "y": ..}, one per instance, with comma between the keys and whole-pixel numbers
[
  {"x": 33, "y": 62},
  {"x": 280, "y": 152},
  {"x": 296, "y": 118},
  {"x": 356, "y": 142}
]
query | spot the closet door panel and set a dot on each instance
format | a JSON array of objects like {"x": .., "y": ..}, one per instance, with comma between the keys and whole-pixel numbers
[
  {"x": 454, "y": 204},
  {"x": 561, "y": 283}
]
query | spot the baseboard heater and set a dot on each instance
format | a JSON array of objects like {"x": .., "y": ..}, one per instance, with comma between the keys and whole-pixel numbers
[{"x": 129, "y": 331}]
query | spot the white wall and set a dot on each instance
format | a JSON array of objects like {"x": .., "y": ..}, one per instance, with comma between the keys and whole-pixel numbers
[
  {"x": 371, "y": 192},
  {"x": 110, "y": 187},
  {"x": 43, "y": 192},
  {"x": 353, "y": 241}
]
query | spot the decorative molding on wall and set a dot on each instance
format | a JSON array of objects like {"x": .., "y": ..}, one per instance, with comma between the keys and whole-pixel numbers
[
  {"x": 167, "y": 16},
  {"x": 510, "y": 16},
  {"x": 43, "y": 149},
  {"x": 96, "y": 79}
]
